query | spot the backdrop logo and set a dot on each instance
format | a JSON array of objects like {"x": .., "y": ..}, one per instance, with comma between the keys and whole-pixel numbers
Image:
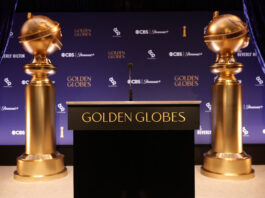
[
  {"x": 150, "y": 31},
  {"x": 8, "y": 83},
  {"x": 184, "y": 31},
  {"x": 24, "y": 82},
  {"x": 82, "y": 32},
  {"x": 209, "y": 107},
  {"x": 203, "y": 132},
  {"x": 117, "y": 33},
  {"x": 5, "y": 108},
  {"x": 246, "y": 54},
  {"x": 245, "y": 132},
  {"x": 260, "y": 81},
  {"x": 184, "y": 54},
  {"x": 61, "y": 132},
  {"x": 143, "y": 81},
  {"x": 79, "y": 81},
  {"x": 11, "y": 35},
  {"x": 14, "y": 56},
  {"x": 151, "y": 54},
  {"x": 61, "y": 108},
  {"x": 252, "y": 107},
  {"x": 186, "y": 80},
  {"x": 113, "y": 82},
  {"x": 116, "y": 54},
  {"x": 77, "y": 55},
  {"x": 18, "y": 132}
]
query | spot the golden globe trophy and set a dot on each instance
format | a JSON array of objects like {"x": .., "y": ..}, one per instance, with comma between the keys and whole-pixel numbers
[
  {"x": 40, "y": 36},
  {"x": 225, "y": 35}
]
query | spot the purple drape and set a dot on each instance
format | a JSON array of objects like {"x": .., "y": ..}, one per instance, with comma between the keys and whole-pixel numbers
[
  {"x": 254, "y": 11},
  {"x": 7, "y": 12}
]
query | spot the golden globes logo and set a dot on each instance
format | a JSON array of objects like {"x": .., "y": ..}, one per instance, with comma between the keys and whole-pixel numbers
[
  {"x": 82, "y": 32},
  {"x": 118, "y": 117},
  {"x": 79, "y": 81},
  {"x": 186, "y": 80},
  {"x": 116, "y": 54}
]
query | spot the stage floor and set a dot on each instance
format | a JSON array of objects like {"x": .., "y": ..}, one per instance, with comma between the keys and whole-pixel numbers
[{"x": 204, "y": 187}]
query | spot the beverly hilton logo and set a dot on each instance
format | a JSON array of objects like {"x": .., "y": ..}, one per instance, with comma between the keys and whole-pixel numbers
[
  {"x": 246, "y": 54},
  {"x": 151, "y": 54},
  {"x": 203, "y": 132},
  {"x": 117, "y": 33},
  {"x": 113, "y": 82},
  {"x": 8, "y": 83},
  {"x": 14, "y": 56},
  {"x": 186, "y": 80}
]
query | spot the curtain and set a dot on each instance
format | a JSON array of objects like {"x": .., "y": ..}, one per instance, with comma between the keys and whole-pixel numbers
[
  {"x": 7, "y": 12},
  {"x": 254, "y": 11}
]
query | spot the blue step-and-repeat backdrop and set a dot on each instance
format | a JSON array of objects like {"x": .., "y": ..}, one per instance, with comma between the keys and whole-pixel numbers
[{"x": 171, "y": 62}]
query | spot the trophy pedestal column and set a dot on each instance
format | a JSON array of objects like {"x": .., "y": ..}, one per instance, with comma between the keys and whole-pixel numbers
[
  {"x": 226, "y": 159},
  {"x": 40, "y": 161}
]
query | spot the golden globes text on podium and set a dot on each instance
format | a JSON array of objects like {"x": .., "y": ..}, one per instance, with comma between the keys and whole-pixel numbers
[
  {"x": 40, "y": 36},
  {"x": 225, "y": 35}
]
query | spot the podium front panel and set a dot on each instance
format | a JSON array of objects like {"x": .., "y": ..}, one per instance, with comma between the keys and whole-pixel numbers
[{"x": 115, "y": 155}]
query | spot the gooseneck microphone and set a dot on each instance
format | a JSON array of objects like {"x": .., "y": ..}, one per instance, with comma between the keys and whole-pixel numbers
[{"x": 130, "y": 65}]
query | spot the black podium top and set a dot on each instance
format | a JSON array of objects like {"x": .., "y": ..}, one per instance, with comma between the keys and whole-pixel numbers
[{"x": 133, "y": 115}]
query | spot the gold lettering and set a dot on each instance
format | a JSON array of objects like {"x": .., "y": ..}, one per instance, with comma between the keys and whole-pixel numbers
[
  {"x": 120, "y": 117},
  {"x": 153, "y": 117},
  {"x": 141, "y": 118},
  {"x": 146, "y": 117},
  {"x": 110, "y": 117},
  {"x": 104, "y": 117},
  {"x": 174, "y": 116},
  {"x": 182, "y": 116},
  {"x": 129, "y": 117},
  {"x": 93, "y": 117},
  {"x": 166, "y": 117},
  {"x": 86, "y": 117}
]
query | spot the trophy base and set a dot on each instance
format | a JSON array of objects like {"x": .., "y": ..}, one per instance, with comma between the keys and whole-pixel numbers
[
  {"x": 45, "y": 167},
  {"x": 229, "y": 166}
]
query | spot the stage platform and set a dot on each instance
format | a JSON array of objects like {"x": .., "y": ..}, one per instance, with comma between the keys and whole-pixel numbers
[{"x": 204, "y": 187}]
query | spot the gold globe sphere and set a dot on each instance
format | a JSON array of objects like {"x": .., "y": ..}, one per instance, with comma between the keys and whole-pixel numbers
[
  {"x": 40, "y": 35},
  {"x": 226, "y": 34}
]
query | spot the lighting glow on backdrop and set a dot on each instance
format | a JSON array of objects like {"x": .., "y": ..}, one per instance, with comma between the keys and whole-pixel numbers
[{"x": 171, "y": 62}]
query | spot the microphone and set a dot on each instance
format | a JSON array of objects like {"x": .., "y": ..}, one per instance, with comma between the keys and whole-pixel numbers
[{"x": 130, "y": 65}]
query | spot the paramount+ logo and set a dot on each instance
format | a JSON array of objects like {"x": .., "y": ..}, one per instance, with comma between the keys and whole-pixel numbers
[
  {"x": 79, "y": 81},
  {"x": 186, "y": 80}
]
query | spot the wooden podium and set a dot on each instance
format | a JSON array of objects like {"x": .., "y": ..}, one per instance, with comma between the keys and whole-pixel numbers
[{"x": 139, "y": 149}]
